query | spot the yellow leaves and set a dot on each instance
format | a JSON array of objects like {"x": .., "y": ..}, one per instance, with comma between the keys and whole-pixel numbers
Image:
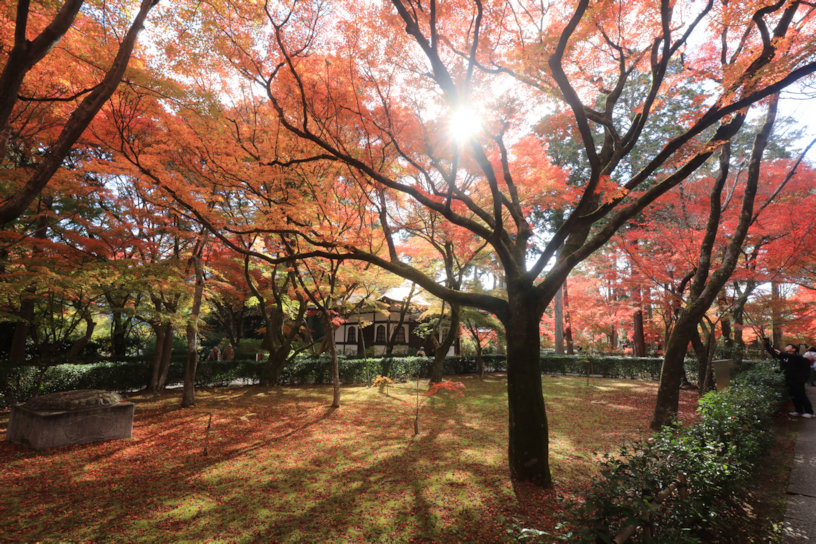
[{"x": 710, "y": 147}]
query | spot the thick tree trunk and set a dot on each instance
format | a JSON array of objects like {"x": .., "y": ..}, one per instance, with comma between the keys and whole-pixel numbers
[
  {"x": 637, "y": 335},
  {"x": 275, "y": 342},
  {"x": 671, "y": 376},
  {"x": 725, "y": 321},
  {"x": 23, "y": 329},
  {"x": 119, "y": 334},
  {"x": 167, "y": 355},
  {"x": 528, "y": 449},
  {"x": 480, "y": 366},
  {"x": 738, "y": 349},
  {"x": 272, "y": 370},
  {"x": 161, "y": 360}
]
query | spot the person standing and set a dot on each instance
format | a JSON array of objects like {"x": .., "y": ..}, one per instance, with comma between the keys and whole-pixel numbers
[{"x": 797, "y": 371}]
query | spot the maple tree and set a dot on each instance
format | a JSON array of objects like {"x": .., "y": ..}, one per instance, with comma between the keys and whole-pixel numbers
[
  {"x": 58, "y": 279},
  {"x": 32, "y": 75},
  {"x": 483, "y": 330},
  {"x": 228, "y": 296},
  {"x": 707, "y": 240},
  {"x": 283, "y": 310},
  {"x": 307, "y": 137},
  {"x": 369, "y": 94}
]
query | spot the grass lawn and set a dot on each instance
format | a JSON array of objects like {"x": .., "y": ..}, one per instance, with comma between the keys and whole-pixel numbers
[{"x": 284, "y": 467}]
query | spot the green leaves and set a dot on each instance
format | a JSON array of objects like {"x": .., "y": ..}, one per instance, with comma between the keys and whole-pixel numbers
[{"x": 683, "y": 484}]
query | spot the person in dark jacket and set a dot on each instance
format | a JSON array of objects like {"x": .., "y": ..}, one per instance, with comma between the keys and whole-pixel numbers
[{"x": 797, "y": 371}]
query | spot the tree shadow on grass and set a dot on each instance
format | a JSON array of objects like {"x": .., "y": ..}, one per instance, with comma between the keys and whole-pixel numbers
[{"x": 283, "y": 467}]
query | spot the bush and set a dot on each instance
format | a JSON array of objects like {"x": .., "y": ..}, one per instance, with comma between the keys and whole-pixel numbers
[
  {"x": 18, "y": 384},
  {"x": 609, "y": 366},
  {"x": 23, "y": 382},
  {"x": 683, "y": 484}
]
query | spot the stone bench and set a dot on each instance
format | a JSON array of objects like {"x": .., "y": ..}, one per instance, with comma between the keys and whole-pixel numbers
[{"x": 71, "y": 417}]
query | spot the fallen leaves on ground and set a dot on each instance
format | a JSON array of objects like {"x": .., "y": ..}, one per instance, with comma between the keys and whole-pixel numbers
[{"x": 285, "y": 467}]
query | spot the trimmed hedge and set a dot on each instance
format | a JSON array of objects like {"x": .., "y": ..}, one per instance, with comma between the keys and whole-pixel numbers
[
  {"x": 18, "y": 384},
  {"x": 698, "y": 472},
  {"x": 609, "y": 366}
]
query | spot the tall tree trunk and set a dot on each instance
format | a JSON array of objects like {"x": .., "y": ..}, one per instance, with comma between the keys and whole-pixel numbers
[
  {"x": 191, "y": 364},
  {"x": 277, "y": 339},
  {"x": 161, "y": 362},
  {"x": 738, "y": 349},
  {"x": 118, "y": 338},
  {"x": 160, "y": 331},
  {"x": 167, "y": 356},
  {"x": 613, "y": 333},
  {"x": 704, "y": 351},
  {"x": 335, "y": 364},
  {"x": 274, "y": 341},
  {"x": 567, "y": 320},
  {"x": 671, "y": 375},
  {"x": 559, "y": 321},
  {"x": 121, "y": 325},
  {"x": 637, "y": 334},
  {"x": 528, "y": 449},
  {"x": 474, "y": 333},
  {"x": 441, "y": 352},
  {"x": 22, "y": 330},
  {"x": 273, "y": 368}
]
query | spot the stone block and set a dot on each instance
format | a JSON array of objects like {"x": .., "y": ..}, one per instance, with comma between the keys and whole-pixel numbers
[{"x": 43, "y": 423}]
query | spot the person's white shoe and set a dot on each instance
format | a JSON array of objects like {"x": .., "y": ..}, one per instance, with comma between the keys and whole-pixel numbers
[
  {"x": 808, "y": 416},
  {"x": 794, "y": 414}
]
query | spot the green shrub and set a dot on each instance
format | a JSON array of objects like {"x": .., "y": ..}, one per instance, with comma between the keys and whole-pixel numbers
[
  {"x": 609, "y": 366},
  {"x": 697, "y": 472},
  {"x": 18, "y": 384},
  {"x": 21, "y": 383}
]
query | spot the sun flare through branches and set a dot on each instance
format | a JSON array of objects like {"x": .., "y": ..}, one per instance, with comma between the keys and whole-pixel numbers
[{"x": 464, "y": 123}]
